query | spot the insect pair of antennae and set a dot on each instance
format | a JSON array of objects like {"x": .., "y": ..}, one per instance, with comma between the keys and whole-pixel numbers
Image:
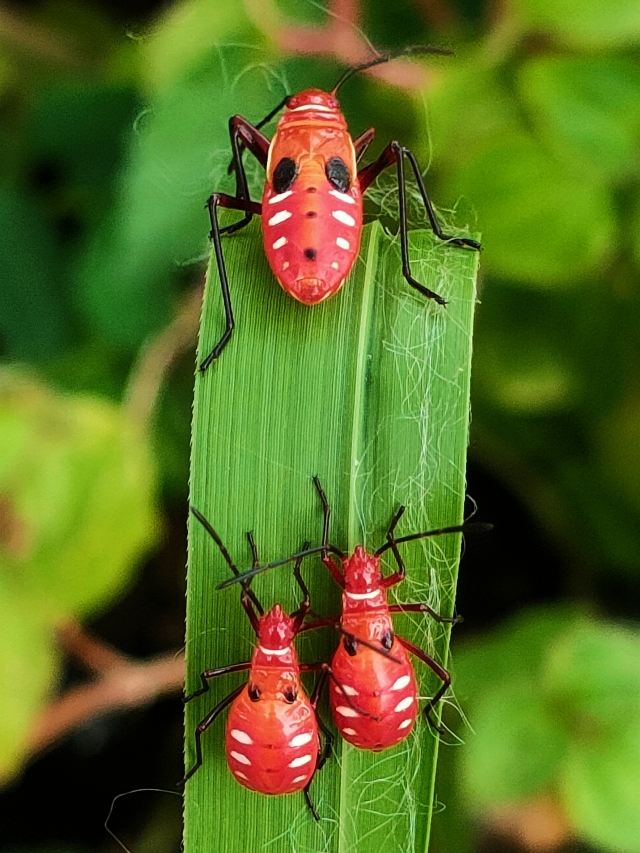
[
  {"x": 387, "y": 57},
  {"x": 475, "y": 527},
  {"x": 246, "y": 576}
]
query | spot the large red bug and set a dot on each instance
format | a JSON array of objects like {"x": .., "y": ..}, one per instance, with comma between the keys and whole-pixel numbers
[
  {"x": 272, "y": 742},
  {"x": 373, "y": 694},
  {"x": 312, "y": 199}
]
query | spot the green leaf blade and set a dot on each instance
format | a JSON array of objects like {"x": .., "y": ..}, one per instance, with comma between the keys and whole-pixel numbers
[{"x": 369, "y": 392}]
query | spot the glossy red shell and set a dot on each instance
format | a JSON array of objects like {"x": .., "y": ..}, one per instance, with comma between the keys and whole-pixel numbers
[
  {"x": 382, "y": 693},
  {"x": 312, "y": 230},
  {"x": 272, "y": 745},
  {"x": 374, "y": 695}
]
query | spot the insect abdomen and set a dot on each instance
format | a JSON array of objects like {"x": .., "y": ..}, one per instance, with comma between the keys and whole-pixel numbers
[
  {"x": 272, "y": 746},
  {"x": 384, "y": 689}
]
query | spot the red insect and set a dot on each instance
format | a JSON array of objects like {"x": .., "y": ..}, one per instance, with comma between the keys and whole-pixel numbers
[
  {"x": 272, "y": 742},
  {"x": 373, "y": 691},
  {"x": 312, "y": 201}
]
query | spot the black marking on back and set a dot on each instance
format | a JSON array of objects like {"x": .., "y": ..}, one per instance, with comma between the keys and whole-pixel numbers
[
  {"x": 338, "y": 174},
  {"x": 310, "y": 254},
  {"x": 284, "y": 175}
]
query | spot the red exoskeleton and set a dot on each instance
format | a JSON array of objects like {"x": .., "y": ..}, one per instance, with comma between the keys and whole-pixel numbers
[
  {"x": 373, "y": 692},
  {"x": 312, "y": 200},
  {"x": 272, "y": 742}
]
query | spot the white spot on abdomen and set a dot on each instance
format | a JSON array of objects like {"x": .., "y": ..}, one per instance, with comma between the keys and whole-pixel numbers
[
  {"x": 349, "y": 691},
  {"x": 343, "y": 244},
  {"x": 299, "y": 762},
  {"x": 340, "y": 215},
  {"x": 349, "y": 731},
  {"x": 346, "y": 711},
  {"x": 401, "y": 682},
  {"x": 300, "y": 740},
  {"x": 240, "y": 757},
  {"x": 241, "y": 775},
  {"x": 276, "y": 198},
  {"x": 405, "y": 723},
  {"x": 280, "y": 242},
  {"x": 299, "y": 779},
  {"x": 403, "y": 704},
  {"x": 240, "y": 736},
  {"x": 335, "y": 265},
  {"x": 281, "y": 216},
  {"x": 342, "y": 196}
]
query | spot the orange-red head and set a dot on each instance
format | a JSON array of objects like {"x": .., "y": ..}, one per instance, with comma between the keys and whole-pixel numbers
[
  {"x": 361, "y": 572},
  {"x": 312, "y": 99},
  {"x": 276, "y": 629}
]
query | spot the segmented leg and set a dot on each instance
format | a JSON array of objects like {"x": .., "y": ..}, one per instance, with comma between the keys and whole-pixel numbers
[
  {"x": 325, "y": 753},
  {"x": 248, "y": 598},
  {"x": 204, "y": 725},
  {"x": 424, "y": 608},
  {"x": 242, "y": 135},
  {"x": 441, "y": 673},
  {"x": 208, "y": 674},
  {"x": 395, "y": 153}
]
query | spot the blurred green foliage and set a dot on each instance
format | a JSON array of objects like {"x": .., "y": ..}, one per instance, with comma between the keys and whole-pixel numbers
[
  {"x": 76, "y": 515},
  {"x": 553, "y": 698},
  {"x": 110, "y": 143}
]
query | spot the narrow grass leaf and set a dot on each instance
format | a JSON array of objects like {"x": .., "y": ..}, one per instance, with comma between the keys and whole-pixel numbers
[{"x": 370, "y": 392}]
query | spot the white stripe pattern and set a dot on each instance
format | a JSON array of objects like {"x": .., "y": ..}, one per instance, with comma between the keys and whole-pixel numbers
[
  {"x": 280, "y": 216},
  {"x": 341, "y": 216},
  {"x": 342, "y": 196},
  {"x": 281, "y": 197}
]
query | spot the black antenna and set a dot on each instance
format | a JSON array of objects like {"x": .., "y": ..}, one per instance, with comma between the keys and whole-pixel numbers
[
  {"x": 246, "y": 576},
  {"x": 474, "y": 527},
  {"x": 387, "y": 57},
  {"x": 237, "y": 576}
]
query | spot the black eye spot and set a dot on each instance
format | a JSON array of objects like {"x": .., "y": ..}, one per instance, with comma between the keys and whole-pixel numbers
[
  {"x": 310, "y": 254},
  {"x": 254, "y": 693},
  {"x": 350, "y": 645},
  {"x": 338, "y": 174},
  {"x": 386, "y": 640},
  {"x": 290, "y": 695},
  {"x": 284, "y": 175}
]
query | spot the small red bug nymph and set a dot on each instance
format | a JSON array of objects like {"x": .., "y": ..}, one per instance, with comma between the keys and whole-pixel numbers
[
  {"x": 312, "y": 201},
  {"x": 272, "y": 743},
  {"x": 373, "y": 690}
]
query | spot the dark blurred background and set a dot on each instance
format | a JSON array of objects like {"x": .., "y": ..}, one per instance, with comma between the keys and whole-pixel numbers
[{"x": 113, "y": 132}]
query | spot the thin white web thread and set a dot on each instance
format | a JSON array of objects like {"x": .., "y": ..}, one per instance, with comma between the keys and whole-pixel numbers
[{"x": 423, "y": 350}]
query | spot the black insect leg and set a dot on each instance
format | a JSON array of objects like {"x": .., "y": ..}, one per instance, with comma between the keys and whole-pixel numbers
[
  {"x": 424, "y": 608},
  {"x": 215, "y": 201},
  {"x": 254, "y": 132},
  {"x": 441, "y": 673},
  {"x": 325, "y": 753},
  {"x": 204, "y": 725},
  {"x": 305, "y": 605},
  {"x": 244, "y": 135},
  {"x": 208, "y": 674},
  {"x": 328, "y": 561},
  {"x": 248, "y": 598},
  {"x": 395, "y": 153}
]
